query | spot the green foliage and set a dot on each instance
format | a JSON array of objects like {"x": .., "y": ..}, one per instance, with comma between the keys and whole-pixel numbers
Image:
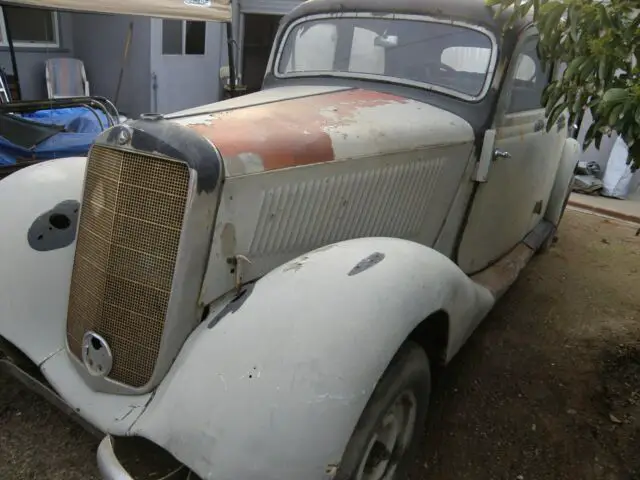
[{"x": 599, "y": 41}]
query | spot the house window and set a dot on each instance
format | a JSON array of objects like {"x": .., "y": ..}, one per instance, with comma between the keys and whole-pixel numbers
[
  {"x": 183, "y": 37},
  {"x": 30, "y": 27}
]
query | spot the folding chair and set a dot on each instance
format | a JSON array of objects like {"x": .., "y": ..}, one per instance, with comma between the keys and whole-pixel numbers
[{"x": 66, "y": 77}]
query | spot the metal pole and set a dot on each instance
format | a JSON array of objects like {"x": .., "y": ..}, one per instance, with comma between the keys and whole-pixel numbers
[
  {"x": 232, "y": 67},
  {"x": 12, "y": 51},
  {"x": 125, "y": 57}
]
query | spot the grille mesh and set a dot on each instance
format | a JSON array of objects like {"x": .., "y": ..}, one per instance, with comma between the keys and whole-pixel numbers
[{"x": 127, "y": 244}]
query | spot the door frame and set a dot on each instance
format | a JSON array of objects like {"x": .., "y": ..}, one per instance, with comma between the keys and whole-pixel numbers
[{"x": 507, "y": 86}]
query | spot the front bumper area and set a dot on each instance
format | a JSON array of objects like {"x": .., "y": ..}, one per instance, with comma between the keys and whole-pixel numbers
[
  {"x": 18, "y": 366},
  {"x": 108, "y": 464},
  {"x": 135, "y": 458}
]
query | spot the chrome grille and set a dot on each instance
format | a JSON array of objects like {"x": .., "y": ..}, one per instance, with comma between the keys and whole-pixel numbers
[{"x": 128, "y": 234}]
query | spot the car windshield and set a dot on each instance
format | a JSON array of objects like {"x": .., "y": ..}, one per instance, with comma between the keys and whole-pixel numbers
[{"x": 441, "y": 56}]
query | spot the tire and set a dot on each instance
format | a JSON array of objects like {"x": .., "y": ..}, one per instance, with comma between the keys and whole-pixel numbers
[{"x": 401, "y": 394}]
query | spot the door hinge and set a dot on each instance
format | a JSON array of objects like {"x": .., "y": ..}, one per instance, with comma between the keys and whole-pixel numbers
[{"x": 486, "y": 157}]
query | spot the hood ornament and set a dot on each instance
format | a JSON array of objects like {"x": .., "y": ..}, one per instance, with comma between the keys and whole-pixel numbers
[{"x": 96, "y": 354}]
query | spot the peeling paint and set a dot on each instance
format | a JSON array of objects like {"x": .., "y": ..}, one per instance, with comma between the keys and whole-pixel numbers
[
  {"x": 326, "y": 248},
  {"x": 132, "y": 408},
  {"x": 332, "y": 470},
  {"x": 285, "y": 134},
  {"x": 233, "y": 306},
  {"x": 296, "y": 264}
]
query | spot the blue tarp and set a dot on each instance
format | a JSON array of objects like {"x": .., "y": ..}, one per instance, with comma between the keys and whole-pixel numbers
[{"x": 81, "y": 129}]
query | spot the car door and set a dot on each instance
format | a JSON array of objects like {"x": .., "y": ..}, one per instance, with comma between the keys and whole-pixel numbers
[{"x": 510, "y": 197}]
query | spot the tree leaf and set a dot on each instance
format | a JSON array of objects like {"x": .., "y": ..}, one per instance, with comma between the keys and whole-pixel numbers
[
  {"x": 553, "y": 100},
  {"x": 555, "y": 114},
  {"x": 546, "y": 92},
  {"x": 598, "y": 138},
  {"x": 604, "y": 16},
  {"x": 615, "y": 95},
  {"x": 551, "y": 24},
  {"x": 588, "y": 137},
  {"x": 630, "y": 136},
  {"x": 573, "y": 21},
  {"x": 578, "y": 103},
  {"x": 574, "y": 67},
  {"x": 614, "y": 115},
  {"x": 603, "y": 69},
  {"x": 598, "y": 42},
  {"x": 587, "y": 68}
]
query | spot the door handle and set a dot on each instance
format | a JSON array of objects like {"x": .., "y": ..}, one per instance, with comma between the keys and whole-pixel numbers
[{"x": 497, "y": 153}]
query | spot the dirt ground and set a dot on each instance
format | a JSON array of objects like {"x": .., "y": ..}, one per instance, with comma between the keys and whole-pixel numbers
[{"x": 547, "y": 388}]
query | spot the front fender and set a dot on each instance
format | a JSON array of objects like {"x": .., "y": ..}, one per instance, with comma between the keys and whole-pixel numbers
[
  {"x": 36, "y": 255},
  {"x": 271, "y": 385},
  {"x": 35, "y": 274}
]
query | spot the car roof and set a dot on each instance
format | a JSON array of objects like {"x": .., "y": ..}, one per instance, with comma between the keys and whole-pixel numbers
[{"x": 475, "y": 12}]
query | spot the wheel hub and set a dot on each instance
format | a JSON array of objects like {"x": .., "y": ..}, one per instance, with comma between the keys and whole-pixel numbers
[{"x": 390, "y": 439}]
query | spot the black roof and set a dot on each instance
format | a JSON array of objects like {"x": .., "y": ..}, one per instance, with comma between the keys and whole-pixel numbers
[{"x": 471, "y": 11}]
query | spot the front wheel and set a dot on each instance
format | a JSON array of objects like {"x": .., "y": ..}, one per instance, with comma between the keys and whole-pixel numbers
[{"x": 384, "y": 440}]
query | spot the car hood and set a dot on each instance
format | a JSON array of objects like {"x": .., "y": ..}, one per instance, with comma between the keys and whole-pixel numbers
[{"x": 296, "y": 126}]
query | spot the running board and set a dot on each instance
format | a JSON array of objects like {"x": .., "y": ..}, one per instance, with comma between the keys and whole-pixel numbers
[{"x": 499, "y": 277}]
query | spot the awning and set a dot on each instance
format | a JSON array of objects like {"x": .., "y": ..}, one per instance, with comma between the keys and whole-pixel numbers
[{"x": 208, "y": 10}]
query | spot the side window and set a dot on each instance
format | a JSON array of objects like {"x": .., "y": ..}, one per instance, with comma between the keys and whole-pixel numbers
[{"x": 529, "y": 80}]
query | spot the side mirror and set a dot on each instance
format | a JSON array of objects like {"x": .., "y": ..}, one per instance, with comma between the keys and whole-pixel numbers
[{"x": 386, "y": 41}]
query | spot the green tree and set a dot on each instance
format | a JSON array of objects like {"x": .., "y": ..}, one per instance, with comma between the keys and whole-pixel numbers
[{"x": 599, "y": 42}]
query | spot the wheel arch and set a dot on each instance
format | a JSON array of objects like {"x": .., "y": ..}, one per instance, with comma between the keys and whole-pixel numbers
[
  {"x": 295, "y": 354},
  {"x": 432, "y": 335}
]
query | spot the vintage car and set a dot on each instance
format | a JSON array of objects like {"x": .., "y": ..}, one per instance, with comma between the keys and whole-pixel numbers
[{"x": 260, "y": 289}]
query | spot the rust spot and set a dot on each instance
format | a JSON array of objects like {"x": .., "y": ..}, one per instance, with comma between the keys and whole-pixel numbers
[
  {"x": 290, "y": 132},
  {"x": 502, "y": 274}
]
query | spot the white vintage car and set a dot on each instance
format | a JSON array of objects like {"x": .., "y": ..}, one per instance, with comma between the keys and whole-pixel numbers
[{"x": 259, "y": 288}]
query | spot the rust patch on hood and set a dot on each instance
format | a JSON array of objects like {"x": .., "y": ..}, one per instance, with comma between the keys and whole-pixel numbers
[{"x": 287, "y": 133}]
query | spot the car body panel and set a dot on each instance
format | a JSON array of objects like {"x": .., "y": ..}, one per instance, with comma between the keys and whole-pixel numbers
[
  {"x": 110, "y": 413},
  {"x": 34, "y": 284},
  {"x": 329, "y": 219},
  {"x": 326, "y": 127},
  {"x": 261, "y": 97},
  {"x": 270, "y": 218},
  {"x": 513, "y": 197},
  {"x": 263, "y": 372}
]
